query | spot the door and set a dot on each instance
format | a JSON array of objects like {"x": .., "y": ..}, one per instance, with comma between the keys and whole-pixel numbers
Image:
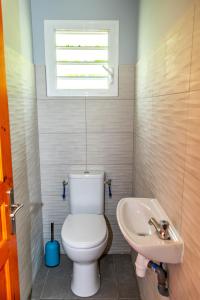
[{"x": 9, "y": 283}]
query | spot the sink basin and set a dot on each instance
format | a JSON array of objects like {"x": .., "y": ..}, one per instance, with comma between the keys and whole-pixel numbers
[{"x": 133, "y": 215}]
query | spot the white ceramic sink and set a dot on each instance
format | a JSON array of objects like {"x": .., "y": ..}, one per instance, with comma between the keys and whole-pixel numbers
[{"x": 133, "y": 215}]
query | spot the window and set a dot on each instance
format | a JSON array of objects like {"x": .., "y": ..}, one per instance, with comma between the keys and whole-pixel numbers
[{"x": 81, "y": 58}]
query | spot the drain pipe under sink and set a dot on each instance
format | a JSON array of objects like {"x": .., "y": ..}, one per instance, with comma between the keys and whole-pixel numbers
[{"x": 142, "y": 263}]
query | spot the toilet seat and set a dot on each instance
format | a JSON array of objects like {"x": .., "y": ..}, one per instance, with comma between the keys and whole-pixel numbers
[{"x": 84, "y": 231}]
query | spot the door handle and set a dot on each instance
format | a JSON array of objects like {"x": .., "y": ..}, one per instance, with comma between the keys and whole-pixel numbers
[{"x": 16, "y": 207}]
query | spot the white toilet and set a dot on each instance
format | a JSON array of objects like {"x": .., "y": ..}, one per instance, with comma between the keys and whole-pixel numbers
[{"x": 84, "y": 233}]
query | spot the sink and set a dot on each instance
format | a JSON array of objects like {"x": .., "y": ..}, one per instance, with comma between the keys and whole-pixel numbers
[{"x": 133, "y": 215}]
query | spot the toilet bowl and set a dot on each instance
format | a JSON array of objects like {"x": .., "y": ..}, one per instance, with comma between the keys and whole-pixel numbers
[{"x": 84, "y": 239}]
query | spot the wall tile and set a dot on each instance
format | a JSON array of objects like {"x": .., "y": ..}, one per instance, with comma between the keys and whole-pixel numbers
[
  {"x": 62, "y": 148},
  {"x": 26, "y": 168},
  {"x": 109, "y": 116},
  {"x": 168, "y": 160},
  {"x": 195, "y": 68},
  {"x": 109, "y": 148},
  {"x": 191, "y": 202},
  {"x": 126, "y": 82},
  {"x": 178, "y": 55},
  {"x": 61, "y": 116},
  {"x": 167, "y": 142}
]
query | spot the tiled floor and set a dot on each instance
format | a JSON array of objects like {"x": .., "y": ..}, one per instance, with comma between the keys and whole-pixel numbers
[{"x": 117, "y": 280}]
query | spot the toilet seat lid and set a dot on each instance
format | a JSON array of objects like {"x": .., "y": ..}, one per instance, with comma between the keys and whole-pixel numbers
[{"x": 84, "y": 230}]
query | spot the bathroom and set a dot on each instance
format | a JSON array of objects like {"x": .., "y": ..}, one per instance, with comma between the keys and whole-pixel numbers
[{"x": 127, "y": 133}]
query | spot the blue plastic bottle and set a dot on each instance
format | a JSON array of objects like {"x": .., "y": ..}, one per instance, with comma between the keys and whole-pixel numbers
[{"x": 52, "y": 251}]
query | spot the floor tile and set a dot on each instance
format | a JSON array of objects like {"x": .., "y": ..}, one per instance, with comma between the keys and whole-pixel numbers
[
  {"x": 39, "y": 283},
  {"x": 108, "y": 289},
  {"x": 118, "y": 280},
  {"x": 123, "y": 265},
  {"x": 128, "y": 290},
  {"x": 56, "y": 286},
  {"x": 106, "y": 267}
]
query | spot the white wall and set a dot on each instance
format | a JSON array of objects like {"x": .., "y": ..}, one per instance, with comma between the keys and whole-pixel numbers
[{"x": 125, "y": 11}]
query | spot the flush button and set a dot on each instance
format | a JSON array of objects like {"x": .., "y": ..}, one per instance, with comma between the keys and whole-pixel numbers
[{"x": 86, "y": 172}]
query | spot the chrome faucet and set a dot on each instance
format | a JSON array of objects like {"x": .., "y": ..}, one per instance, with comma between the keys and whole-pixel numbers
[{"x": 162, "y": 228}]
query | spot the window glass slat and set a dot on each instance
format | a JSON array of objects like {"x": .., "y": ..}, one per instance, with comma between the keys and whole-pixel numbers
[
  {"x": 81, "y": 38},
  {"x": 81, "y": 70},
  {"x": 82, "y": 56}
]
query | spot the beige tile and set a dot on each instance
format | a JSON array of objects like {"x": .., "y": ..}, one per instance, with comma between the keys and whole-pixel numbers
[
  {"x": 144, "y": 80},
  {"x": 159, "y": 83},
  {"x": 169, "y": 121},
  {"x": 25, "y": 163},
  {"x": 193, "y": 136},
  {"x": 61, "y": 148},
  {"x": 168, "y": 156},
  {"x": 109, "y": 116},
  {"x": 126, "y": 81},
  {"x": 195, "y": 68},
  {"x": 109, "y": 148},
  {"x": 191, "y": 204},
  {"x": 143, "y": 117},
  {"x": 61, "y": 116},
  {"x": 167, "y": 143},
  {"x": 178, "y": 55},
  {"x": 40, "y": 75},
  {"x": 140, "y": 187}
]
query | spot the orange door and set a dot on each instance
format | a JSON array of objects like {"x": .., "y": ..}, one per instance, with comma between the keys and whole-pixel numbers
[{"x": 9, "y": 283}]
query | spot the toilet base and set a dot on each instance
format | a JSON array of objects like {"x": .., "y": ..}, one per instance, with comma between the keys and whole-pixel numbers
[{"x": 86, "y": 279}]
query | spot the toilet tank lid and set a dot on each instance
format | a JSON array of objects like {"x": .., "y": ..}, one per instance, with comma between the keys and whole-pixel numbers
[{"x": 87, "y": 174}]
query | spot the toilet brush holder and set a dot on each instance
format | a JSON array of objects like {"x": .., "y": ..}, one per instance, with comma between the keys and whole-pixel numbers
[{"x": 52, "y": 251}]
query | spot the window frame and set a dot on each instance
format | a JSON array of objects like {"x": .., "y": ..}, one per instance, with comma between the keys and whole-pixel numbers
[{"x": 50, "y": 60}]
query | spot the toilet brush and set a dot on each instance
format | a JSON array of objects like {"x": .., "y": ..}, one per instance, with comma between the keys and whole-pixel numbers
[{"x": 52, "y": 251}]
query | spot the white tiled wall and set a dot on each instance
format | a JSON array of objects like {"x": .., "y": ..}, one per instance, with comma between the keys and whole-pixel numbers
[
  {"x": 76, "y": 133},
  {"x": 26, "y": 170}
]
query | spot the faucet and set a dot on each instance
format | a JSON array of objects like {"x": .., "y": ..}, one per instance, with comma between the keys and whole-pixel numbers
[{"x": 162, "y": 228}]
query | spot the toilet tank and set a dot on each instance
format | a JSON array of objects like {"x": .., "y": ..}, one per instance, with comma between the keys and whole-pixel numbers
[{"x": 86, "y": 192}]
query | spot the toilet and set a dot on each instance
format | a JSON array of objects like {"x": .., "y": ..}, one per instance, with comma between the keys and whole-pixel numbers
[{"x": 84, "y": 233}]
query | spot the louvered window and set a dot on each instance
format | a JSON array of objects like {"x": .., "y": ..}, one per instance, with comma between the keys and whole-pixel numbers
[{"x": 81, "y": 58}]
